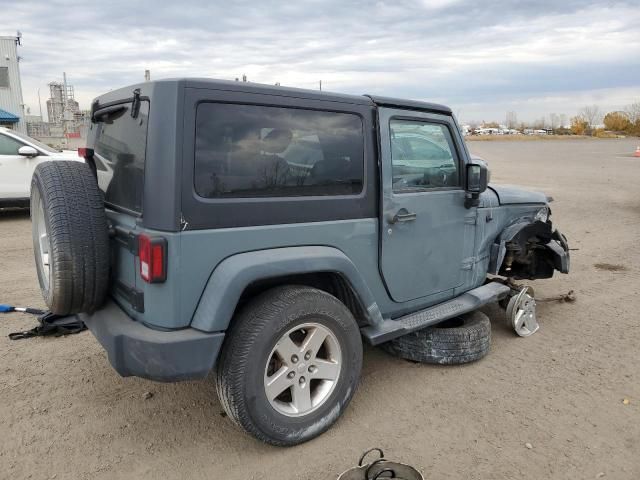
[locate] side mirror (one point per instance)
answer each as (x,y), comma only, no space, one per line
(477,181)
(27,151)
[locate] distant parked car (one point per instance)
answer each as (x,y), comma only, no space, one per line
(19,156)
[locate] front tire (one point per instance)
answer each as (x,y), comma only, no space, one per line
(290,364)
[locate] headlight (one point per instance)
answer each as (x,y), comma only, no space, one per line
(543,214)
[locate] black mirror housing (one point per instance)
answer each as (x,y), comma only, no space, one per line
(477,180)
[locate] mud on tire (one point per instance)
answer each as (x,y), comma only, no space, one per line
(463,339)
(70,237)
(256,331)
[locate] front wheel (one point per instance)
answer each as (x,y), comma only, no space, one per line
(290,365)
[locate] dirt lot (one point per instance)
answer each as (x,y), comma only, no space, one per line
(64,413)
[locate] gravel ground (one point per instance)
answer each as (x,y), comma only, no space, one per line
(549,406)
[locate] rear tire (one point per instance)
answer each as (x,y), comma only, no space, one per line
(70,237)
(259,352)
(463,339)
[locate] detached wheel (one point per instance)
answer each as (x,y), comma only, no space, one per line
(290,364)
(70,238)
(462,339)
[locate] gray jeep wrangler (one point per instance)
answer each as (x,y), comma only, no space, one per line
(264,231)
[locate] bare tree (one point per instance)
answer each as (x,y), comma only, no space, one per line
(563,121)
(554,120)
(592,114)
(511,120)
(633,111)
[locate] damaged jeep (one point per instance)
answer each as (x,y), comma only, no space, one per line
(261,233)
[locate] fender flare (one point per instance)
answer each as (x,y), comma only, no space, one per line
(231,276)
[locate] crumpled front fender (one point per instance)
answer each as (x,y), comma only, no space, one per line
(559,248)
(555,251)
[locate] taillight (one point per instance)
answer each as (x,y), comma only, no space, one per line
(153,258)
(84,152)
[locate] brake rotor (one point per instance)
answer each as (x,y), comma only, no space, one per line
(521,311)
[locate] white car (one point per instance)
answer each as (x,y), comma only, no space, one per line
(19,155)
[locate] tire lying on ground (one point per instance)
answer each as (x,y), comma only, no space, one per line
(462,339)
(70,237)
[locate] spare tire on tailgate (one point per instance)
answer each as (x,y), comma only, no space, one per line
(70,237)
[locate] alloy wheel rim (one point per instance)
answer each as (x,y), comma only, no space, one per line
(523,315)
(44,245)
(302,369)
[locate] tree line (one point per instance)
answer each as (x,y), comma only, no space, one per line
(625,121)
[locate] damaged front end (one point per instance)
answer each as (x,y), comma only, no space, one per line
(530,250)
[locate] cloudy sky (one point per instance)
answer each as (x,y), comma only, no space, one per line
(483,58)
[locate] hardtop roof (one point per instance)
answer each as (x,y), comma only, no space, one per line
(251,87)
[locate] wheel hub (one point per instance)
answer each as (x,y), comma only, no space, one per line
(302,369)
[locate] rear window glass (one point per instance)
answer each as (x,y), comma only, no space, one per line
(258,151)
(120,149)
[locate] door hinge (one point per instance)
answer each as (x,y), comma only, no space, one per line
(127,239)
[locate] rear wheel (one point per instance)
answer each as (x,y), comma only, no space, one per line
(70,239)
(290,365)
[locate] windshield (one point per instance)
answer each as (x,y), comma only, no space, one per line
(38,144)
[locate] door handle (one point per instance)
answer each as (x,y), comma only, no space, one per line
(403,216)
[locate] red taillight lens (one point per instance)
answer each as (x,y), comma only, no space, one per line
(153,259)
(84,152)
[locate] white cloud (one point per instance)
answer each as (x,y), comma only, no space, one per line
(481,57)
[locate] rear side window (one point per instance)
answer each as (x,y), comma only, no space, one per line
(120,148)
(256,151)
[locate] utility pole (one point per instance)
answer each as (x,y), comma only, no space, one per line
(40,105)
(320,85)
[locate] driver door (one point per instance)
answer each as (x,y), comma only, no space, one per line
(15,169)
(427,233)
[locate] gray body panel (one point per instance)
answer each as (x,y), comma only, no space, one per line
(231,277)
(424,257)
(404,276)
(512,194)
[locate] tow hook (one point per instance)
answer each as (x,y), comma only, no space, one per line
(521,312)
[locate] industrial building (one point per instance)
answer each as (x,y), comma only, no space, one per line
(11,103)
(61,105)
(67,124)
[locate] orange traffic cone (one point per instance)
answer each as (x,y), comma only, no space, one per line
(637,154)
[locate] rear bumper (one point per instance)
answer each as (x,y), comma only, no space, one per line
(137,350)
